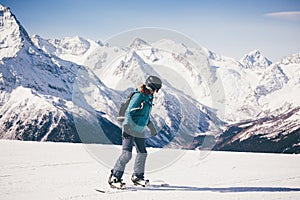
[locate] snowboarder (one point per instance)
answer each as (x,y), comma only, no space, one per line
(137,117)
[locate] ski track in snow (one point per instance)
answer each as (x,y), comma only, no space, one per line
(65,171)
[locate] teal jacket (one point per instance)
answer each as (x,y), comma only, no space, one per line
(137,114)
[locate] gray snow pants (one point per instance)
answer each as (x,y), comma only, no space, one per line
(139,165)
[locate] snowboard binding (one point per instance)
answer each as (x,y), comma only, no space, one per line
(140,181)
(116,183)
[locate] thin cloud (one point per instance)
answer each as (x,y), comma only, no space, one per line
(290,15)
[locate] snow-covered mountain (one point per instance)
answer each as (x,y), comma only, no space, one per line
(255,59)
(52,88)
(244,90)
(44,97)
(75,49)
(37,90)
(252,89)
(280,133)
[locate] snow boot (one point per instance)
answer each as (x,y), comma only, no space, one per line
(116,183)
(140,181)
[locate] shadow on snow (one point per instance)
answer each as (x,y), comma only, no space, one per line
(216,189)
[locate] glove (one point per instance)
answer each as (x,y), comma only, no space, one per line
(126,130)
(152,129)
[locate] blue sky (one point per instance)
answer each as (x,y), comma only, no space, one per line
(227,27)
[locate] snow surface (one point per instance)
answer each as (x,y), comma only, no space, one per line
(34,170)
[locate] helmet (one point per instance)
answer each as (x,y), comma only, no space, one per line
(154,83)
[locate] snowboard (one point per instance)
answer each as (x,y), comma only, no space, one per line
(136,186)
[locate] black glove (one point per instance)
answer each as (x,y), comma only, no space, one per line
(126,130)
(152,129)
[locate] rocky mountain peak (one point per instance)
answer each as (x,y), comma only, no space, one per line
(255,59)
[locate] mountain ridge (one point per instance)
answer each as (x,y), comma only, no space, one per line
(79,81)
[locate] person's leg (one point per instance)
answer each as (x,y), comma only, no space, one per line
(127,144)
(139,165)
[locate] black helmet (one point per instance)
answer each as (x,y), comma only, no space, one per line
(154,83)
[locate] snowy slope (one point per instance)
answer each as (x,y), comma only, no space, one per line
(277,128)
(9,45)
(21,108)
(255,59)
(75,49)
(280,134)
(31,170)
(284,84)
(79,50)
(38,92)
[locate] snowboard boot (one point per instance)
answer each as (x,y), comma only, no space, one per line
(116,183)
(140,181)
